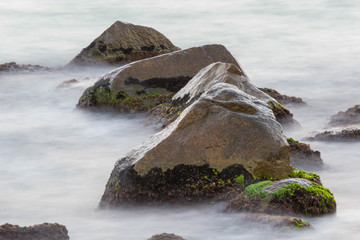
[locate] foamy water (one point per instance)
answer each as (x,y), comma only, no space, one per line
(55,161)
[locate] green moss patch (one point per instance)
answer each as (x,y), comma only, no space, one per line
(297,173)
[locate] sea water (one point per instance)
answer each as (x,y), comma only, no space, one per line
(55,160)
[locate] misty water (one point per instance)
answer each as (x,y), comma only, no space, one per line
(55,160)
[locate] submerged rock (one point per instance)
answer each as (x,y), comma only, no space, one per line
(282,223)
(122,43)
(166,236)
(350,117)
(67,83)
(283,99)
(302,156)
(225,137)
(45,231)
(14,67)
(142,85)
(344,135)
(293,195)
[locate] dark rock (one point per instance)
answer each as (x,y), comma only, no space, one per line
(166,236)
(282,223)
(123,43)
(67,83)
(283,115)
(302,156)
(293,195)
(45,231)
(350,117)
(283,99)
(159,77)
(345,135)
(14,67)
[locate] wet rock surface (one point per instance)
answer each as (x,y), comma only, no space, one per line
(302,156)
(166,236)
(144,84)
(350,117)
(122,43)
(213,74)
(14,67)
(294,196)
(283,99)
(282,223)
(223,135)
(45,231)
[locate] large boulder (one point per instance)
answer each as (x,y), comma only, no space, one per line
(144,84)
(122,43)
(293,195)
(45,231)
(224,137)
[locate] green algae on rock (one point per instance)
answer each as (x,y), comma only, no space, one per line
(294,195)
(161,76)
(278,223)
(122,43)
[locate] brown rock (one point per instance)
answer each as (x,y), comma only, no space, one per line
(166,236)
(302,156)
(225,131)
(122,43)
(45,231)
(14,67)
(350,117)
(274,222)
(344,135)
(67,83)
(283,99)
(145,84)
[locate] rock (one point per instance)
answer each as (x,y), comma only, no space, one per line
(14,67)
(283,99)
(45,231)
(122,43)
(166,236)
(283,115)
(67,83)
(225,137)
(215,73)
(350,117)
(302,156)
(282,223)
(344,135)
(293,195)
(144,84)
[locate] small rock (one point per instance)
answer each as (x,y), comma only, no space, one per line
(287,196)
(345,135)
(45,231)
(283,99)
(350,117)
(166,236)
(302,156)
(282,223)
(14,67)
(67,83)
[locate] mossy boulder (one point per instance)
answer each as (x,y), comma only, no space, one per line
(123,43)
(302,156)
(277,223)
(145,84)
(45,231)
(224,139)
(293,195)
